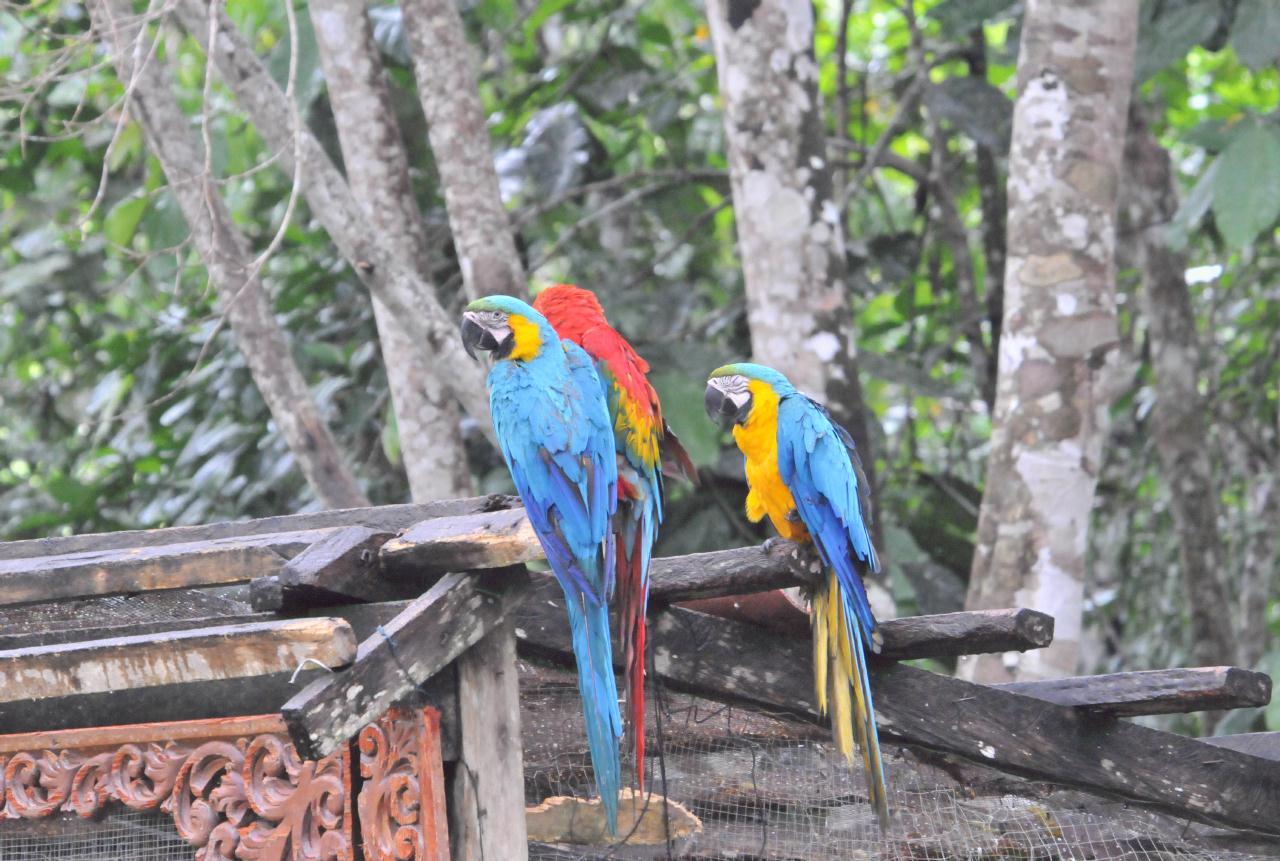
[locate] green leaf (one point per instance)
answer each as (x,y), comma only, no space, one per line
(1255,35)
(1166,38)
(545,10)
(1193,208)
(122,221)
(958,17)
(1246,190)
(391,437)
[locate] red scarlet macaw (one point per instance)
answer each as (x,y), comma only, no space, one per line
(645,445)
(552,423)
(804,473)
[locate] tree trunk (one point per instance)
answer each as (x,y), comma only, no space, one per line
(378,174)
(228,259)
(1059,357)
(1149,201)
(445,71)
(394,282)
(789,227)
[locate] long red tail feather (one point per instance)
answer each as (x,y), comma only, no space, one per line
(631,623)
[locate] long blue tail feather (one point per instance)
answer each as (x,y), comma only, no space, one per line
(589,624)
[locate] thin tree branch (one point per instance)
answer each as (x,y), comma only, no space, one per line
(227,257)
(378,171)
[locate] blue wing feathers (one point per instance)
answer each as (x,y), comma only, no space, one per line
(553,426)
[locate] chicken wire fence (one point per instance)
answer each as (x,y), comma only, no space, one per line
(750,786)
(121,835)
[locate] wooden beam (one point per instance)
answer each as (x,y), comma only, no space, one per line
(339,568)
(383,518)
(116,736)
(775,564)
(541,623)
(1154,692)
(471,542)
(139,569)
(1262,744)
(726,660)
(486,791)
(429,633)
(180,657)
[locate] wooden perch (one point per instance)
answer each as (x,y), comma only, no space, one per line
(1153,692)
(428,634)
(137,569)
(383,518)
(341,567)
(726,660)
(1263,744)
(180,657)
(471,542)
(540,623)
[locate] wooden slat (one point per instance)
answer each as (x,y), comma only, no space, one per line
(428,634)
(181,657)
(1262,744)
(115,736)
(472,542)
(341,567)
(139,569)
(722,659)
(541,620)
(487,815)
(1154,692)
(385,517)
(775,564)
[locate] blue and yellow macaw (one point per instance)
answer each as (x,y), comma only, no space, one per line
(552,421)
(804,473)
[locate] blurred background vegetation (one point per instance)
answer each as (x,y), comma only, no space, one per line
(124,402)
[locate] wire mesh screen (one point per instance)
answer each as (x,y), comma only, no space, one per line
(750,786)
(122,835)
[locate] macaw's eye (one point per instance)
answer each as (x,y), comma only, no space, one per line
(495,318)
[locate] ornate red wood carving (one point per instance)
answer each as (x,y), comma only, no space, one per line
(234,792)
(402,811)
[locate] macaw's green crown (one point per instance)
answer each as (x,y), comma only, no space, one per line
(506,305)
(752,371)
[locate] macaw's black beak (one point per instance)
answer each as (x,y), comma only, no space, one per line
(475,335)
(724,409)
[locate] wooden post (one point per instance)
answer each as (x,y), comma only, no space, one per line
(486,792)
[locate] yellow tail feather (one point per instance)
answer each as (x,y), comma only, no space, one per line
(838,674)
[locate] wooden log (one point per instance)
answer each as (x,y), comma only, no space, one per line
(181,657)
(429,633)
(139,569)
(382,518)
(1153,692)
(540,621)
(725,660)
(486,791)
(339,568)
(775,564)
(1261,744)
(471,542)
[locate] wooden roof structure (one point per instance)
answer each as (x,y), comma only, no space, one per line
(333,617)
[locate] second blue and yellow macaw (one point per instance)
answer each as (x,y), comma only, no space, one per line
(804,473)
(552,421)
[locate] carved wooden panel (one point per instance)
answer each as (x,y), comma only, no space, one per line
(235,788)
(402,801)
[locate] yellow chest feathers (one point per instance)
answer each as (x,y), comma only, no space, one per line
(758,440)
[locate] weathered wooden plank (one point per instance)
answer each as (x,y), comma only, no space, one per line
(341,567)
(384,517)
(140,569)
(203,654)
(722,659)
(1154,692)
(429,633)
(541,621)
(486,792)
(471,542)
(971,632)
(115,736)
(775,564)
(1262,744)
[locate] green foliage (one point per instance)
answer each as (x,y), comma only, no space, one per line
(124,403)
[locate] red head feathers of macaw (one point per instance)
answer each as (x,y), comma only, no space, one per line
(646,449)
